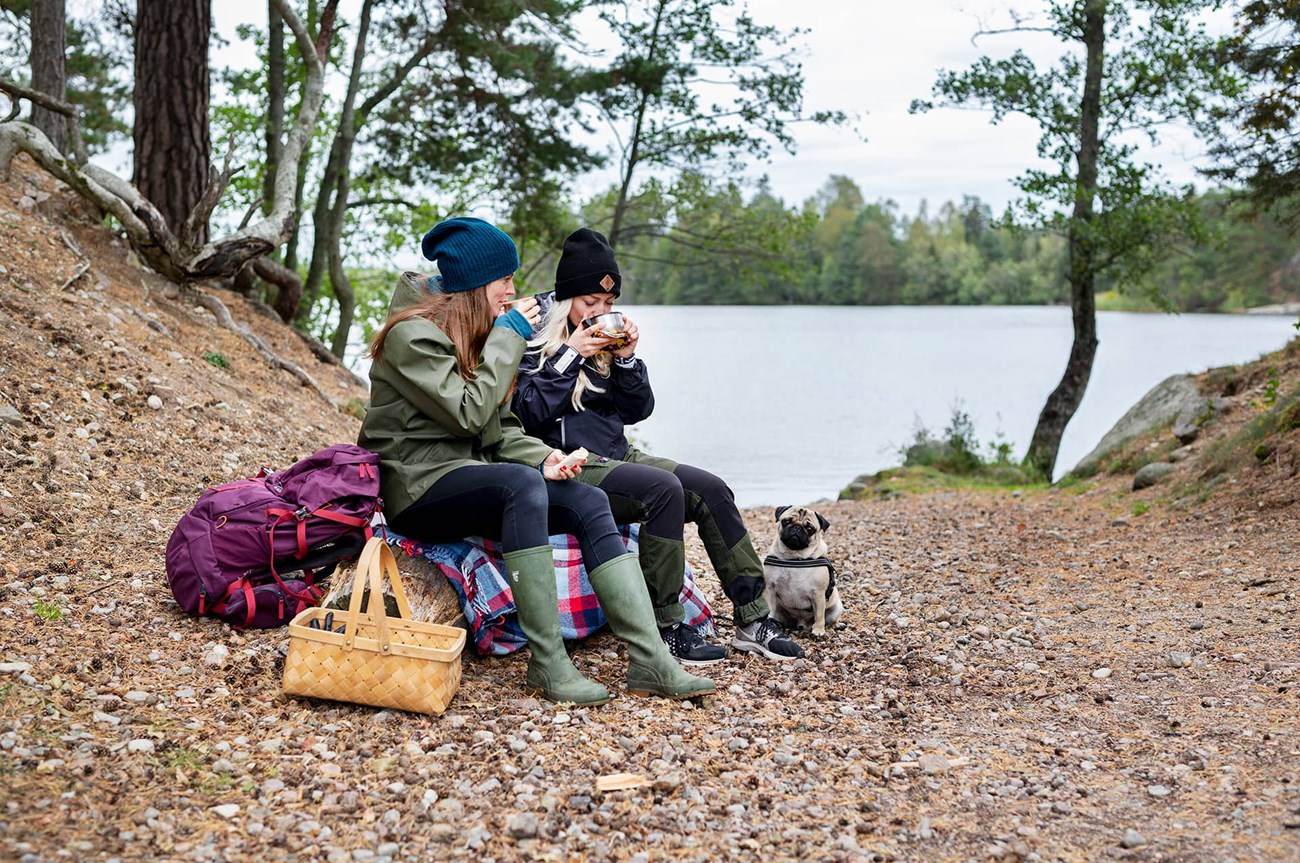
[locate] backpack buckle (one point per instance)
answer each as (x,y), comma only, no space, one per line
(301,513)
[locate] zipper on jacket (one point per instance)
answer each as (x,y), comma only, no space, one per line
(564,443)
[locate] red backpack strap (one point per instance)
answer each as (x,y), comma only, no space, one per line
(250,601)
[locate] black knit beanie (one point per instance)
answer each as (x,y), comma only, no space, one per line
(587,266)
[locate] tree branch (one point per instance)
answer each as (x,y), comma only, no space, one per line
(177,258)
(371,202)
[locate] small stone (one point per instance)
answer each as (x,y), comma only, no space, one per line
(226,810)
(155,403)
(216,654)
(10,416)
(521,825)
(140,744)
(1158,790)
(15,667)
(668,782)
(1151,474)
(1101,673)
(932,765)
(1132,839)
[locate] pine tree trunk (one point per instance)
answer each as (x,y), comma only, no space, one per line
(49,70)
(172,140)
(1064,400)
(275,103)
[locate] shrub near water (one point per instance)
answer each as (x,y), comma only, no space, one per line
(953,459)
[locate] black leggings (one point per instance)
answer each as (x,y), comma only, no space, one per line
(515,503)
(687,493)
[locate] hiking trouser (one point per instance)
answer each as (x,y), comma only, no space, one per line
(514,503)
(662,495)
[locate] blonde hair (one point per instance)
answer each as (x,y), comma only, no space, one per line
(465,316)
(552,336)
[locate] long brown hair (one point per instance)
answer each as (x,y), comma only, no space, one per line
(464,316)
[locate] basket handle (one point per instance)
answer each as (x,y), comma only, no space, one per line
(376,559)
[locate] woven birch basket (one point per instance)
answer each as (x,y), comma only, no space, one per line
(376,660)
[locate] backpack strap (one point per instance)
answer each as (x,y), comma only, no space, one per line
(250,601)
(301,515)
(312,595)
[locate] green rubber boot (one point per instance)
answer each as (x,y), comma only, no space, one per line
(651,669)
(550,671)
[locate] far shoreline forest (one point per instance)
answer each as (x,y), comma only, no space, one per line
(843,250)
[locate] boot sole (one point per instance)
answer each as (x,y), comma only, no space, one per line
(696,662)
(542,693)
(760,650)
(705,698)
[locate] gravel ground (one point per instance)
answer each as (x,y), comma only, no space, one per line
(1071,674)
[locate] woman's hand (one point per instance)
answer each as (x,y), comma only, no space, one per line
(553,469)
(633,335)
(529,309)
(585,341)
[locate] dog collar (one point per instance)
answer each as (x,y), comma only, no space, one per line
(803,563)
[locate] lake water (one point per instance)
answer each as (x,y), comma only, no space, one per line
(789,404)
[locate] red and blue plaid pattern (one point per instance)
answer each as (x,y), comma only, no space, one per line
(475,569)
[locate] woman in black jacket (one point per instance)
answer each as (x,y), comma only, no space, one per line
(579,387)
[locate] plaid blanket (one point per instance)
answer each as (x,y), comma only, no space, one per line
(476,571)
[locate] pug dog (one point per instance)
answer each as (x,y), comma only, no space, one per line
(800,579)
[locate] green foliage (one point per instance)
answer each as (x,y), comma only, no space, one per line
(958,452)
(48,610)
(1141,508)
(216,359)
(713,246)
(1258,145)
(1159,67)
(698,87)
(1270,388)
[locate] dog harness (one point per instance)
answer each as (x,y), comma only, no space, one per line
(803,563)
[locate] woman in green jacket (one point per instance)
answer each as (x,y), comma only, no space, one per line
(455,462)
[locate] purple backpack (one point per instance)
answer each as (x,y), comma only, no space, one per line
(251,552)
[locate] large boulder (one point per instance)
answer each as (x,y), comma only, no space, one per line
(1174,396)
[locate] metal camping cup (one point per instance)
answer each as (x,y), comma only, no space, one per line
(611,324)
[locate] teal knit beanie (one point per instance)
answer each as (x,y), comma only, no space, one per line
(469,253)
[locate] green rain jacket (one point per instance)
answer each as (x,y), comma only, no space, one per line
(425,420)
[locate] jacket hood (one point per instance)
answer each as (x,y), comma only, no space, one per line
(411,289)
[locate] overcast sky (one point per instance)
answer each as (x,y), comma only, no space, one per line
(872,59)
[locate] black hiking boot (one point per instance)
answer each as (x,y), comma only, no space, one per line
(689,647)
(765,638)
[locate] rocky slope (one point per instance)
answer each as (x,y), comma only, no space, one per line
(1071,674)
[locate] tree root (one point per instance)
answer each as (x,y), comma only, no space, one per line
(222,314)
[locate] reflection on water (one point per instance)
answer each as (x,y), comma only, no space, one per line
(789,404)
